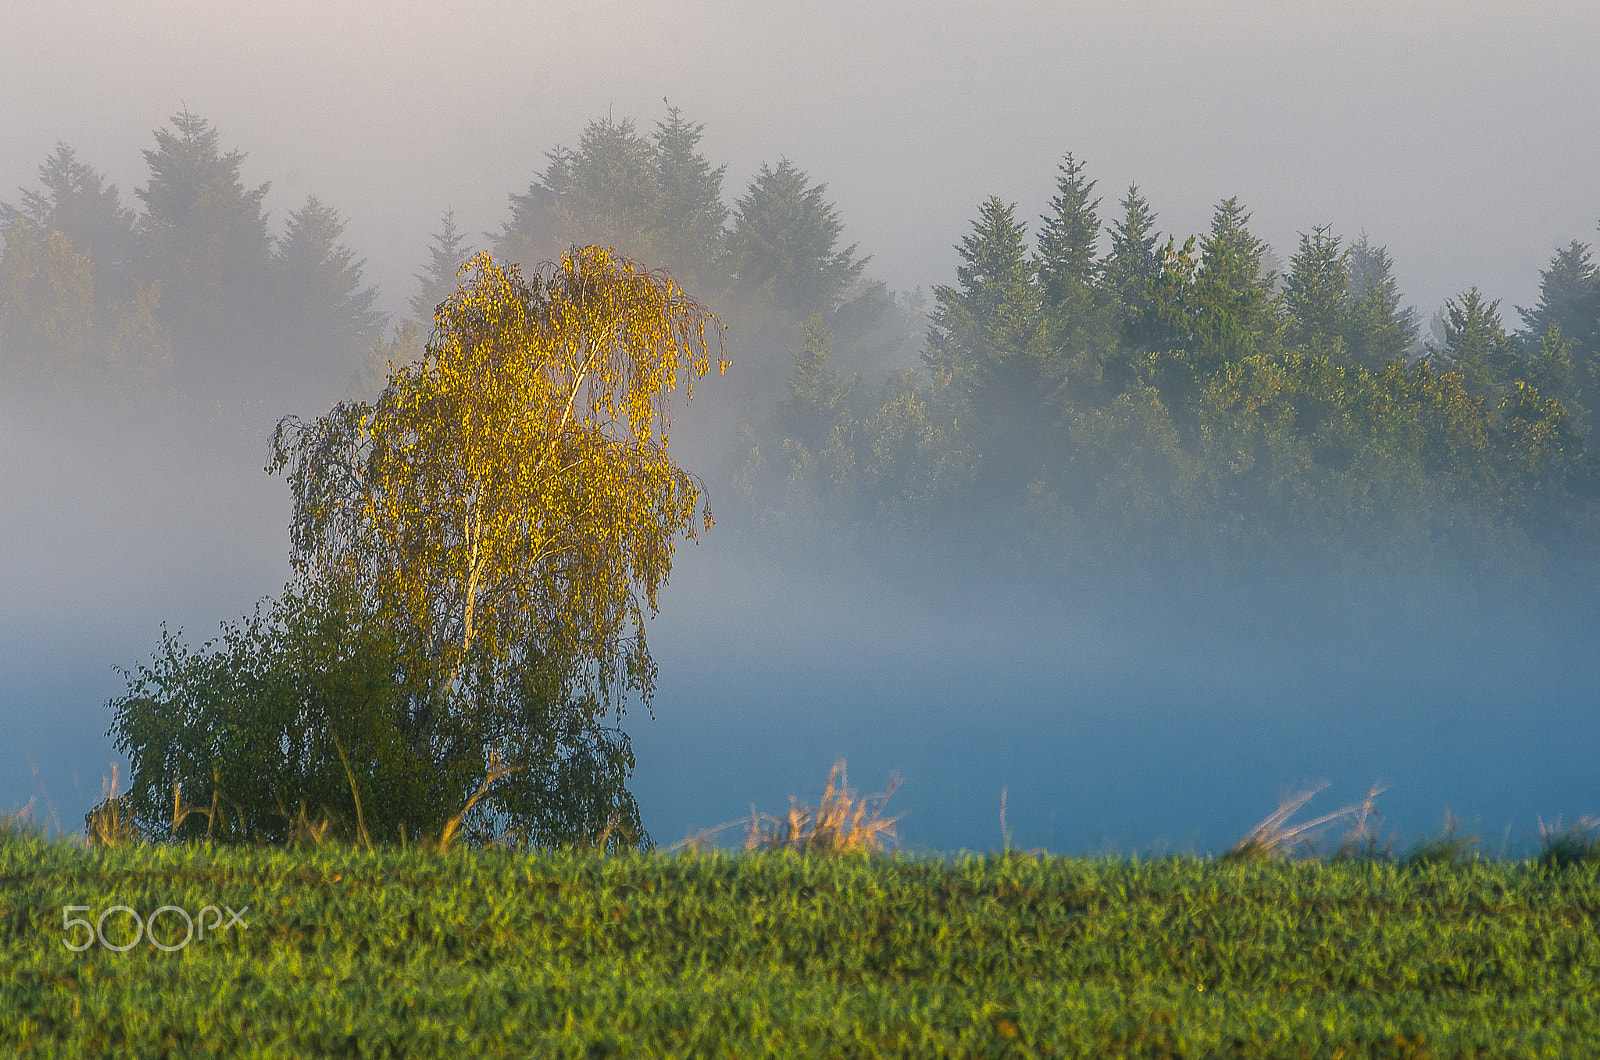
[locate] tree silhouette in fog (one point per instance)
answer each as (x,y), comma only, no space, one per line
(440,276)
(785,243)
(204,236)
(326,314)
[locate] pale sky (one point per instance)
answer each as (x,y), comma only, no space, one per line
(1464,136)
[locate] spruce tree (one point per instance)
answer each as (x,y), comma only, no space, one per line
(1134,261)
(818,392)
(1067,238)
(330,315)
(1569,300)
(77,202)
(1378,331)
(983,329)
(1080,324)
(205,237)
(606,191)
(1569,297)
(783,243)
(1477,346)
(1231,312)
(70,293)
(439,279)
(1316,295)
(693,213)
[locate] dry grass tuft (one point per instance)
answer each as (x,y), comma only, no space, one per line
(1275,837)
(108,825)
(1361,842)
(1449,846)
(697,842)
(304,832)
(21,821)
(841,823)
(1561,845)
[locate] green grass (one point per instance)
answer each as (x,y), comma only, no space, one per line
(487,953)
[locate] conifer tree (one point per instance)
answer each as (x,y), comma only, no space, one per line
(1477,346)
(439,279)
(1067,238)
(784,243)
(817,390)
(329,315)
(605,192)
(652,196)
(1080,326)
(1569,297)
(205,235)
(77,202)
(693,213)
(1316,294)
(1134,261)
(1232,315)
(983,329)
(1378,331)
(70,296)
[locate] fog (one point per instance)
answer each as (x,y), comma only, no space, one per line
(1112,727)
(1460,136)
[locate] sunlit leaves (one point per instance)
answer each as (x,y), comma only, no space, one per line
(514,486)
(508,501)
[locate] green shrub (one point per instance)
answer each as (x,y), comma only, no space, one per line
(314,716)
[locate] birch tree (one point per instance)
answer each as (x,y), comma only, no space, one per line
(508,503)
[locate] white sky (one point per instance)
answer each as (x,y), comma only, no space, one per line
(1464,135)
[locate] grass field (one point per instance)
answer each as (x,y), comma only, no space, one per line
(490,953)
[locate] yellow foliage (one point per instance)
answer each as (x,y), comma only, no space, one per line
(512,490)
(46,296)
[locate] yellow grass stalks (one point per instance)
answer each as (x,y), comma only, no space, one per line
(497,769)
(841,823)
(107,825)
(1275,837)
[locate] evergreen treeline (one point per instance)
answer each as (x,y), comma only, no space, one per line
(191,280)
(1099,394)
(1106,397)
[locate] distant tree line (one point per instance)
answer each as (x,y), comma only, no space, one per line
(1097,392)
(767,261)
(1107,397)
(193,282)
(191,276)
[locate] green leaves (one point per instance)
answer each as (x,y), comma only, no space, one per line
(253,724)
